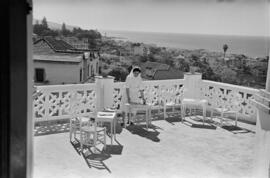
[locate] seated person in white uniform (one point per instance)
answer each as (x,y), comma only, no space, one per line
(134,88)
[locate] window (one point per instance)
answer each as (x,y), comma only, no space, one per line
(92,70)
(39,75)
(80,75)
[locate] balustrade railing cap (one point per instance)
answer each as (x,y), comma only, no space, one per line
(109,77)
(98,77)
(195,73)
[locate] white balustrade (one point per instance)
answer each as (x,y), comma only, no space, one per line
(224,95)
(118,98)
(154,91)
(163,91)
(54,101)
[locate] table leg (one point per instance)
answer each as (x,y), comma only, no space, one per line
(183,111)
(114,125)
(204,113)
(147,118)
(111,132)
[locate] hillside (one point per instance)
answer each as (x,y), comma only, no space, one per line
(55,26)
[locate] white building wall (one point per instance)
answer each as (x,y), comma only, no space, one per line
(60,72)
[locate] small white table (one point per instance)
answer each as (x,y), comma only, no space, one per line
(108,117)
(188,101)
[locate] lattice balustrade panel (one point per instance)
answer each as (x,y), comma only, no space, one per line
(54,101)
(118,95)
(169,91)
(154,91)
(229,96)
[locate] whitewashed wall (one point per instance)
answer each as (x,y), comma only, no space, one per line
(59,73)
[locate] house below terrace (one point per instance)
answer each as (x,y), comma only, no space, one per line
(58,62)
(159,71)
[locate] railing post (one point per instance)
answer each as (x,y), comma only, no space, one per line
(108,91)
(192,84)
(99,93)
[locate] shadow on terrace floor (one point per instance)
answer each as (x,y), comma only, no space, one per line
(197,122)
(140,129)
(236,129)
(53,127)
(94,159)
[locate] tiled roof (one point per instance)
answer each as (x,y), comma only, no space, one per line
(168,74)
(155,66)
(58,45)
(149,68)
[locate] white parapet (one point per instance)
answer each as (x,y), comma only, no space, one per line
(192,84)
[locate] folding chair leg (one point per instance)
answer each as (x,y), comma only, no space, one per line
(236,119)
(183,112)
(70,131)
(204,114)
(212,112)
(165,114)
(81,144)
(105,139)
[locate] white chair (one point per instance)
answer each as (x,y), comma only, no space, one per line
(133,108)
(188,102)
(91,134)
(170,98)
(74,122)
(74,126)
(229,109)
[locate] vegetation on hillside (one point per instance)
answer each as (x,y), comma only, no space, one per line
(236,69)
(42,29)
(117,56)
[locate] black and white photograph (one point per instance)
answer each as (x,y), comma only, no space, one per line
(135,89)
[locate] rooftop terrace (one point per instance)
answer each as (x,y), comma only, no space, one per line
(169,148)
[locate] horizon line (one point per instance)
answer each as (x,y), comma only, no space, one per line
(141,31)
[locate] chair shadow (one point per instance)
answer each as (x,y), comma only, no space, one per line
(118,127)
(95,160)
(236,130)
(113,149)
(173,119)
(139,130)
(76,145)
(199,123)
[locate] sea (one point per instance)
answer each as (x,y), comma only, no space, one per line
(252,46)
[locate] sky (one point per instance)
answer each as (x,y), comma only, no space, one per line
(221,17)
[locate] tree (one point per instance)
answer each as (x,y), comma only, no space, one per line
(44,23)
(225,48)
(151,58)
(119,74)
(228,76)
(64,30)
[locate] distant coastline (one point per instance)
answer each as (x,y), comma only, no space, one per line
(252,46)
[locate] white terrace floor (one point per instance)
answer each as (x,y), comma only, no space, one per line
(169,149)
